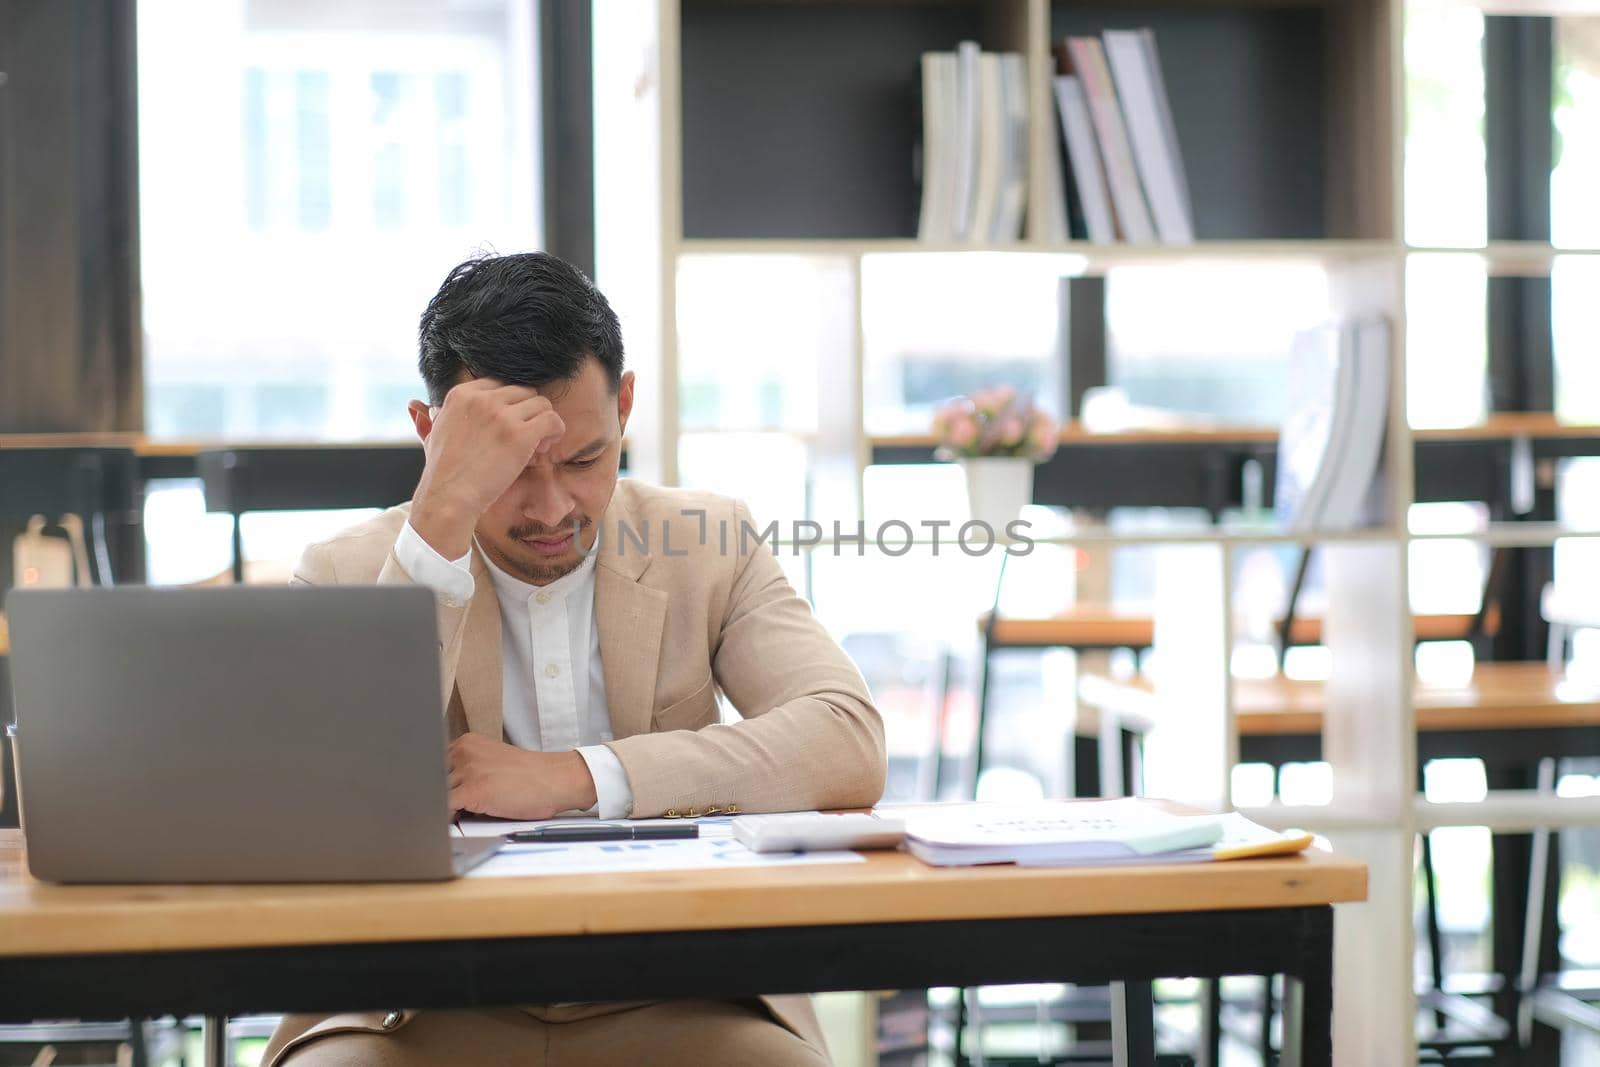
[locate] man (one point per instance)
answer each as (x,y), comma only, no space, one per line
(586,625)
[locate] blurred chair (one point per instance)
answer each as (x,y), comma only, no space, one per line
(242,480)
(1551,999)
(1566,613)
(91,483)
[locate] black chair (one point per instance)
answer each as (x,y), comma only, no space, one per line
(92,483)
(241,480)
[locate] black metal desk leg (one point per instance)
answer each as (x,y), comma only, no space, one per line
(238,548)
(214,1041)
(1210,1051)
(1133,1024)
(1308,1000)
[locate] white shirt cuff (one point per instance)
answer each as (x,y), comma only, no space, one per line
(613,794)
(451,579)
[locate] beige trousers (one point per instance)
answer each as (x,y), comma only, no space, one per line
(682,1033)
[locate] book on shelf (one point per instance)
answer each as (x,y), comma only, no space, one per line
(1057,209)
(991,123)
(1334,428)
(1121,142)
(974,157)
(1111,131)
(1136,70)
(1123,171)
(1048,833)
(969,114)
(1013,195)
(938,156)
(1083,155)
(1356,477)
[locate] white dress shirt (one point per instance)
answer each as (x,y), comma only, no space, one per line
(553,691)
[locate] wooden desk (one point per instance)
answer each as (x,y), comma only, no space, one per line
(1081,626)
(1498,697)
(1511,716)
(1096,626)
(890,922)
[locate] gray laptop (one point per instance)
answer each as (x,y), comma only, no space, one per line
(247,734)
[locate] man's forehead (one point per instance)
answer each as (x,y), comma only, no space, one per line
(587,392)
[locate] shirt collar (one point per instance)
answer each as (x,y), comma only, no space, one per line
(518,591)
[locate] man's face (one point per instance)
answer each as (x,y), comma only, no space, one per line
(529,530)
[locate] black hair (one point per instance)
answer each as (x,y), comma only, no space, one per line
(525,319)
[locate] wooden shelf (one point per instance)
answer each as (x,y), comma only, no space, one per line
(1510,811)
(1499,426)
(1096,258)
(1539,7)
(1074,433)
(1512,259)
(1498,696)
(1512,534)
(1097,626)
(1503,811)
(1505,425)
(158,447)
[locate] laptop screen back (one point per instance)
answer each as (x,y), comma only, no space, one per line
(237,734)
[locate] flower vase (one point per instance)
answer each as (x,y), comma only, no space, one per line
(997,488)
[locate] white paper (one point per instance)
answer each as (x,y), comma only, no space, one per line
(1237,832)
(607,857)
(1051,832)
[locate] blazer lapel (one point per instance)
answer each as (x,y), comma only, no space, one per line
(630,618)
(478,671)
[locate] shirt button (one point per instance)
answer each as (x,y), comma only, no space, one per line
(551,670)
(543,598)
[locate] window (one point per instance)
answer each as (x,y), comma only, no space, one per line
(1447,340)
(939,326)
(308,175)
(1218,350)
(1574,213)
(1446,181)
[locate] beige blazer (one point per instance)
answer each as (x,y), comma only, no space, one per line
(688,602)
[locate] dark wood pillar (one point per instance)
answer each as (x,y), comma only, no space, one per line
(69,248)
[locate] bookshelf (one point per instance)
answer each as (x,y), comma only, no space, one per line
(786,130)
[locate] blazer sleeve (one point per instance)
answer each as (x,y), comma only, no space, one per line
(810,737)
(318,566)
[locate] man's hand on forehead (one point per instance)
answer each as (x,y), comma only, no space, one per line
(481,439)
(525,404)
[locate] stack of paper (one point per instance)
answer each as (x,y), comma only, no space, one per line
(1066,833)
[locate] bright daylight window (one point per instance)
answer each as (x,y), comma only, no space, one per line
(308,174)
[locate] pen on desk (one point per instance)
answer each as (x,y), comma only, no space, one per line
(604,832)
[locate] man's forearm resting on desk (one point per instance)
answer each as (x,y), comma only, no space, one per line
(490,777)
